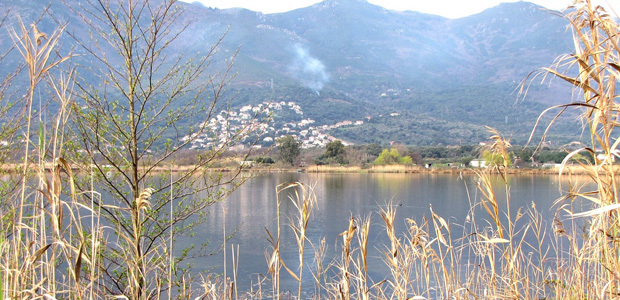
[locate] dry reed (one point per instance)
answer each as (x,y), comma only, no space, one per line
(49,253)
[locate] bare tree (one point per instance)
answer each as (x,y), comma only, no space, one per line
(136,111)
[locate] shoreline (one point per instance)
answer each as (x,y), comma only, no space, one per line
(576,170)
(404,169)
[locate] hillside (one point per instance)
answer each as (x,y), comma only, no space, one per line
(440,79)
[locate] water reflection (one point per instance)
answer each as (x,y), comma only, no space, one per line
(252,209)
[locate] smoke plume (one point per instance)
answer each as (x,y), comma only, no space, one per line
(308,70)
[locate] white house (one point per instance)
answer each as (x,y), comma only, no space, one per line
(478,163)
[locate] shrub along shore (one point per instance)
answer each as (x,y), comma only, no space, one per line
(576,170)
(409,169)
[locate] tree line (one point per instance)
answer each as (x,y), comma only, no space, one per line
(289,152)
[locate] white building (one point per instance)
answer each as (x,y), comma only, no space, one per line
(478,163)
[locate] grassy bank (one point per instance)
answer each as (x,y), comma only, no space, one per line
(565,170)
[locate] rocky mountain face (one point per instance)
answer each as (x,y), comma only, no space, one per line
(415,78)
(354,39)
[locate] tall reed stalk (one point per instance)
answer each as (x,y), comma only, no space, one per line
(46,229)
(49,252)
(593,70)
(303,199)
(515,256)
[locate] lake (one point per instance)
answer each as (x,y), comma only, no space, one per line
(252,208)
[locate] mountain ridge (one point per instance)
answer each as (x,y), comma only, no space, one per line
(377,61)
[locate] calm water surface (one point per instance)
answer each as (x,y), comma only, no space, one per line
(252,209)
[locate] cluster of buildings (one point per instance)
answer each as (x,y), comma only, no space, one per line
(262,125)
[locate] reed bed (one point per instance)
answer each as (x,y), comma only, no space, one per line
(395,169)
(358,169)
(52,236)
(426,261)
(517,254)
(334,169)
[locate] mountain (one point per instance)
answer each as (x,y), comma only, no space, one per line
(439,80)
(354,38)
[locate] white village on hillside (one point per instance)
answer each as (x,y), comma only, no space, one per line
(265,121)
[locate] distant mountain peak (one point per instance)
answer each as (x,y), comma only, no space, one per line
(515,8)
(343,3)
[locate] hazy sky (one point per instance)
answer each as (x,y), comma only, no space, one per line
(446,8)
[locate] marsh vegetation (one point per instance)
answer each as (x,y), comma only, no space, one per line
(60,238)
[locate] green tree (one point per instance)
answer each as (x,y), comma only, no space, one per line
(406,160)
(392,157)
(334,149)
(373,149)
(546,156)
(264,160)
(334,153)
(289,149)
(524,153)
(495,159)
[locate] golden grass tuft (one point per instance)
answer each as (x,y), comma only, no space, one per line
(394,169)
(515,256)
(511,256)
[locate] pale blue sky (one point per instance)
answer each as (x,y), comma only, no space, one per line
(446,8)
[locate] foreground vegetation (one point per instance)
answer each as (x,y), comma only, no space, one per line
(577,259)
(64,238)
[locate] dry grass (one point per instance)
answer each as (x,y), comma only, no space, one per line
(516,256)
(372,169)
(52,236)
(395,169)
(592,258)
(333,169)
(46,250)
(427,261)
(46,229)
